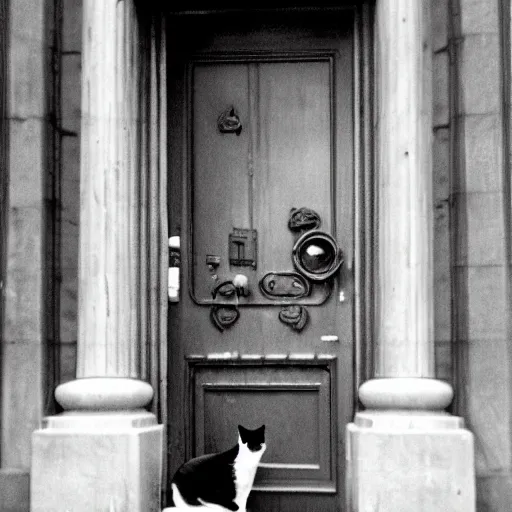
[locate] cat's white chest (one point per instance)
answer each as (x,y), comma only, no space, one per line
(245,466)
(244,475)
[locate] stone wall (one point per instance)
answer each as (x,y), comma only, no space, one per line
(481,238)
(25,372)
(70,94)
(472,202)
(442,133)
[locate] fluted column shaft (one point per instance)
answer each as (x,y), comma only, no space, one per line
(404,341)
(109,222)
(404,344)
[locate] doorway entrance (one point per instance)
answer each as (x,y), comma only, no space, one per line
(261,194)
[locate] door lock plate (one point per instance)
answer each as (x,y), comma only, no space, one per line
(243,247)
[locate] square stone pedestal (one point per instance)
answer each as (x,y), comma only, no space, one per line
(409,461)
(97,461)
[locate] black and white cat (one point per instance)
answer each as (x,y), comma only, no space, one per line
(221,480)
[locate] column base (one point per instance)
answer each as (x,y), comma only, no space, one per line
(398,461)
(104,461)
(104,394)
(406,393)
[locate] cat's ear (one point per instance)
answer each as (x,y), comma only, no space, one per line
(243,433)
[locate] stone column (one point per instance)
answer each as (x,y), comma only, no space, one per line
(404,345)
(404,452)
(105,451)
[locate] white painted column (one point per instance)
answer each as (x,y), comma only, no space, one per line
(108,338)
(105,452)
(404,452)
(404,344)
(107,343)
(405,323)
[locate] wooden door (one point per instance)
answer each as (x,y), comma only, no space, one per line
(262,123)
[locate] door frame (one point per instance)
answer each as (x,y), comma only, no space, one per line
(365,203)
(362,266)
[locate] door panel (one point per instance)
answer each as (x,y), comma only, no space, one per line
(282,159)
(241,391)
(288,79)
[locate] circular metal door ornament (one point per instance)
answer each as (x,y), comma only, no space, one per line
(316,255)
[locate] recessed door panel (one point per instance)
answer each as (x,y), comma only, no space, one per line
(261,109)
(228,391)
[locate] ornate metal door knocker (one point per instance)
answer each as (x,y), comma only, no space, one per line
(238,286)
(225,289)
(303,219)
(223,317)
(294,316)
(229,121)
(284,285)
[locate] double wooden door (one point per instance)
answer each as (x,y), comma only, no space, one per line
(261,154)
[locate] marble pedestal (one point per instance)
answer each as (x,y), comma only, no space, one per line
(409,461)
(97,461)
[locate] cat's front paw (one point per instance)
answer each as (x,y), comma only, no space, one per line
(233,506)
